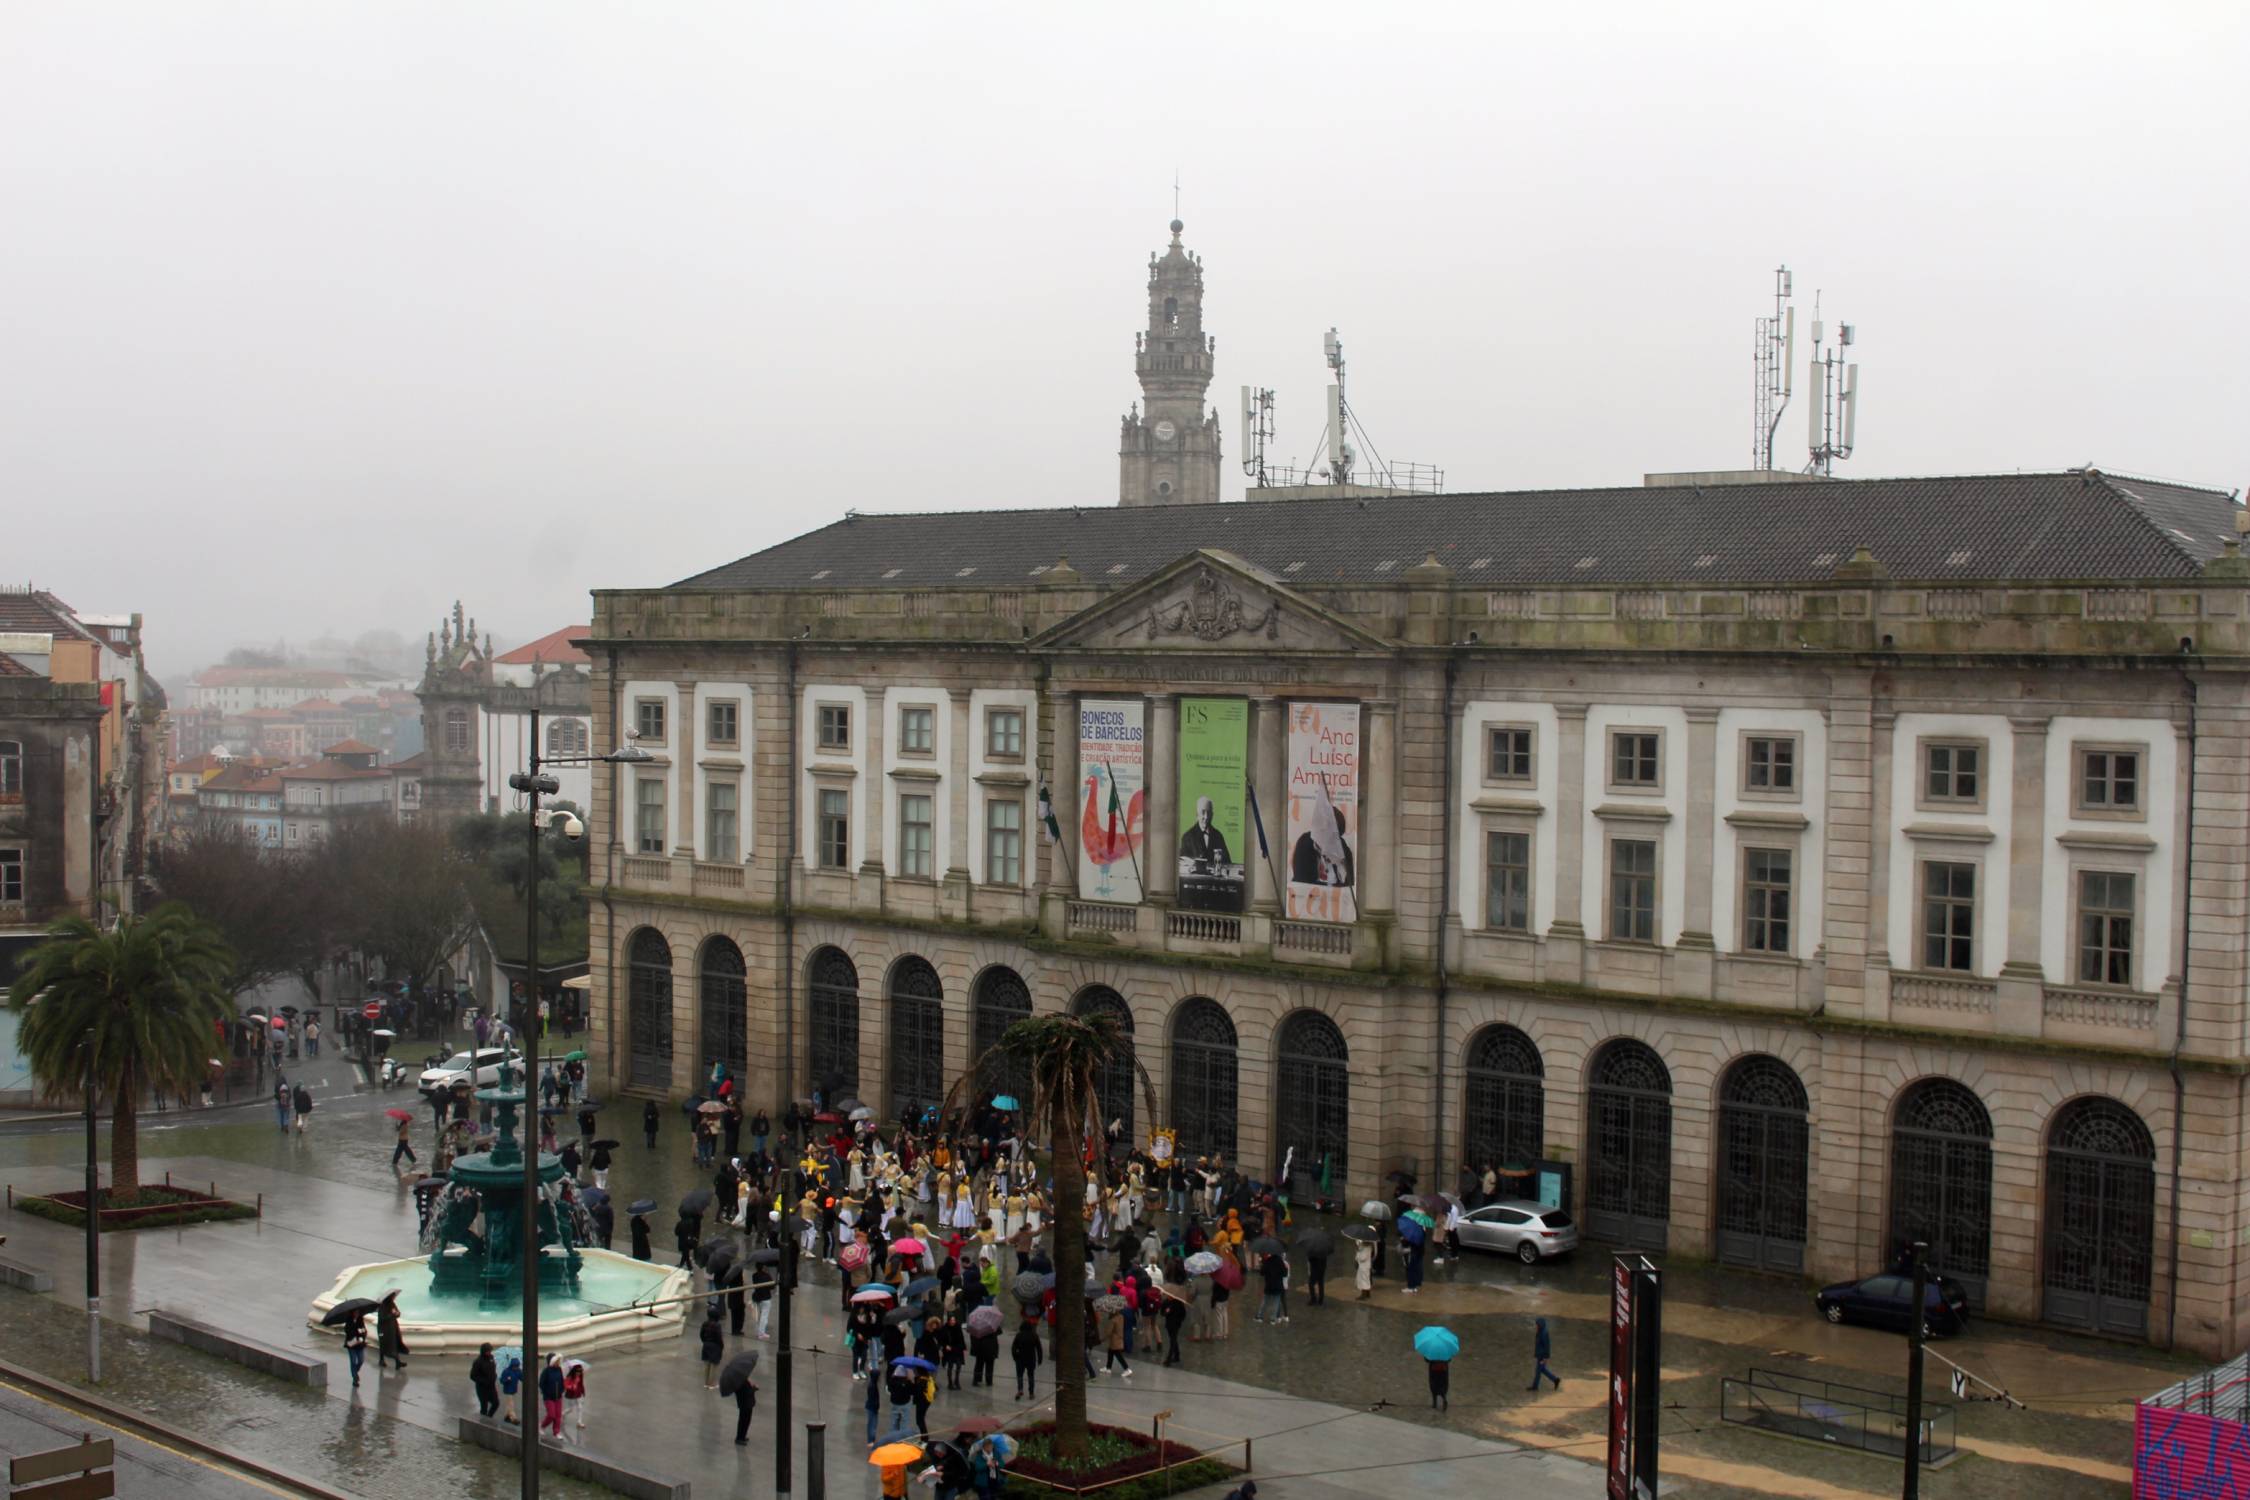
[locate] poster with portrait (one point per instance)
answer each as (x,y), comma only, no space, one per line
(1323,788)
(1111,800)
(1214,766)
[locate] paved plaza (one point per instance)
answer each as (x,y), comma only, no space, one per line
(1334,1401)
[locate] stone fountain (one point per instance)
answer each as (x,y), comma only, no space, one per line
(468,1288)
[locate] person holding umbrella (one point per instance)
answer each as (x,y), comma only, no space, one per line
(735,1381)
(1363,1264)
(639,1226)
(714,1336)
(355,1343)
(891,1459)
(1439,1346)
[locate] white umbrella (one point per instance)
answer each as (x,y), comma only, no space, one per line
(863,1113)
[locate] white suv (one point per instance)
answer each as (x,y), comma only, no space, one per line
(481,1069)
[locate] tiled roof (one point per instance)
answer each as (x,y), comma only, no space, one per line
(350,747)
(319,706)
(10,667)
(553,648)
(418,761)
(327,770)
(1998,527)
(36,612)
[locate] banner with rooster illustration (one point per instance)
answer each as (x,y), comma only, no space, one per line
(1323,780)
(1112,798)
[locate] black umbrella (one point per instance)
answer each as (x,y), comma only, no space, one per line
(1315,1242)
(591,1105)
(764,1256)
(1028,1285)
(696,1201)
(607,1145)
(1265,1244)
(595,1196)
(737,1372)
(641,1206)
(910,1314)
(346,1310)
(1365,1234)
(717,1256)
(289,1010)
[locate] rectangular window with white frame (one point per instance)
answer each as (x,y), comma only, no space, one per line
(834,837)
(1953,774)
(2105,927)
(2109,780)
(1769,765)
(1003,841)
(723,723)
(1003,734)
(1766,900)
(917,730)
(1507,881)
(916,835)
(648,814)
(1636,760)
(722,830)
(1632,890)
(1508,753)
(833,726)
(1949,916)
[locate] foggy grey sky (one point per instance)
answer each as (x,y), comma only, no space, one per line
(314,317)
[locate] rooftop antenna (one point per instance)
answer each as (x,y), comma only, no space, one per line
(1774,357)
(1257,432)
(1831,420)
(1340,453)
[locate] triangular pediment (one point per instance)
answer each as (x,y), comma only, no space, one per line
(1210,601)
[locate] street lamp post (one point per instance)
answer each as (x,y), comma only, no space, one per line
(93,1229)
(534,783)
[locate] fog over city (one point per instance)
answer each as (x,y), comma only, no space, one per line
(315,318)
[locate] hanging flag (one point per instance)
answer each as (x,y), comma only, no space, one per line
(1960,1383)
(1257,822)
(1047,823)
(1116,808)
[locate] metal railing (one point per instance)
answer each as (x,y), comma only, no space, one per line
(1203,927)
(1825,1412)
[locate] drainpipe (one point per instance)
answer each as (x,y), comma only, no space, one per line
(2179,1035)
(1445,899)
(788,958)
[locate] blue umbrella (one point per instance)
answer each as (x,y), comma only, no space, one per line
(595,1197)
(921,1286)
(909,1362)
(1434,1343)
(642,1206)
(1411,1232)
(1004,1101)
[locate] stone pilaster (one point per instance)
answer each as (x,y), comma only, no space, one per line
(1160,861)
(1566,934)
(1874,996)
(1377,869)
(1695,954)
(1844,923)
(874,802)
(965,810)
(2019,999)
(685,842)
(1269,746)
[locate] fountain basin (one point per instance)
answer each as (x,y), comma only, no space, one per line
(601,1311)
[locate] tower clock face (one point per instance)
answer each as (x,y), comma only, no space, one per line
(1165,431)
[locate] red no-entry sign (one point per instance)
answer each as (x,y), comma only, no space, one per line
(372,1011)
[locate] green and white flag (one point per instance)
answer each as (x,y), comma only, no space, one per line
(1047,821)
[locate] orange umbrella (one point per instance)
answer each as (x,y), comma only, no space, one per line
(891,1455)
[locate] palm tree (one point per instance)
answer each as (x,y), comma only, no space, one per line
(147,993)
(1064,1057)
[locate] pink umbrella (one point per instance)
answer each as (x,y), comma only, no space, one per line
(1229,1275)
(907,1246)
(852,1257)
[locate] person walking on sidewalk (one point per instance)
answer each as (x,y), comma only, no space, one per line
(745,1406)
(1113,1341)
(390,1335)
(714,1335)
(281,1102)
(511,1381)
(551,1399)
(1275,1272)
(312,1037)
(1542,1350)
(484,1375)
(1028,1353)
(300,1104)
(355,1343)
(649,1117)
(1441,1384)
(405,1146)
(574,1393)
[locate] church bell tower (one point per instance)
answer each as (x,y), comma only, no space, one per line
(1168,452)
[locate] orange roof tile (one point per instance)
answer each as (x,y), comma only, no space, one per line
(552,649)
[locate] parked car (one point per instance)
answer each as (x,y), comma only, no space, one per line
(1882,1301)
(1529,1231)
(481,1068)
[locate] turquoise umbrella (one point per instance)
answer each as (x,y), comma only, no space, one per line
(1437,1344)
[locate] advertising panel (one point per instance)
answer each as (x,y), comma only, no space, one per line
(1323,829)
(1112,798)
(1214,771)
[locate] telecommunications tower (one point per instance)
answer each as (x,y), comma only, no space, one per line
(1774,359)
(1832,410)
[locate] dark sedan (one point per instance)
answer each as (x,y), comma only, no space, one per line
(1882,1301)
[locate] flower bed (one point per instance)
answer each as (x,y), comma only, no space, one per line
(1123,1465)
(160,1207)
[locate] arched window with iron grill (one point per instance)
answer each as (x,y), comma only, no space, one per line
(1118,1082)
(832,995)
(648,1010)
(1764,1165)
(2100,1218)
(1204,1077)
(1312,1100)
(1002,999)
(723,1010)
(917,1044)
(1629,1146)
(1505,1098)
(1941,1181)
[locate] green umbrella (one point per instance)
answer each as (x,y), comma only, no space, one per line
(576,1056)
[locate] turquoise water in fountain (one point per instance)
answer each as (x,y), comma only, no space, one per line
(606,1282)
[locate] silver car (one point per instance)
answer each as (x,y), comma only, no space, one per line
(481,1069)
(1529,1231)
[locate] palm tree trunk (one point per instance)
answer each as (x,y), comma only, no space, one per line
(1072,1441)
(124,1143)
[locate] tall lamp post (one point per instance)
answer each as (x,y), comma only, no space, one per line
(535,783)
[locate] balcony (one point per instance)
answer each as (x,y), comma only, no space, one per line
(1099,918)
(645,870)
(2106,1013)
(723,878)
(1963,998)
(1204,927)
(1313,942)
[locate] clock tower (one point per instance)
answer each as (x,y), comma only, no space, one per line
(1168,452)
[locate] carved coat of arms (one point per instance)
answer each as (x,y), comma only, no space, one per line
(1212,611)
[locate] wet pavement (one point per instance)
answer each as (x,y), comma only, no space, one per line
(1334,1401)
(142,1471)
